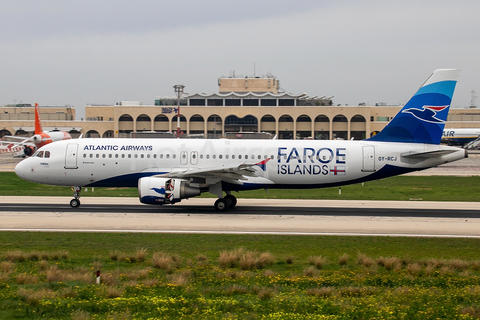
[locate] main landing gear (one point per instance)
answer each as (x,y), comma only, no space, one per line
(75,202)
(223,204)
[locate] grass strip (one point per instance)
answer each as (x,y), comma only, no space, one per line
(164,276)
(402,188)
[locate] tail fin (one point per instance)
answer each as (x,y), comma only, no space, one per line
(423,118)
(38,126)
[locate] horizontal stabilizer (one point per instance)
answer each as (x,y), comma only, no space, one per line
(426,154)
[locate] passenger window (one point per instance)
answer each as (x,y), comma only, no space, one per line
(239,156)
(155,156)
(226,156)
(174,156)
(91,155)
(253,157)
(161,156)
(84,155)
(167,156)
(135,155)
(214,156)
(220,157)
(129,155)
(141,156)
(123,155)
(148,156)
(109,155)
(201,156)
(233,156)
(98,155)
(208,156)
(103,155)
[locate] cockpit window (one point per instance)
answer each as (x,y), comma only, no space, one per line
(46,154)
(40,154)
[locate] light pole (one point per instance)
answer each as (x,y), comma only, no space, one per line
(178,91)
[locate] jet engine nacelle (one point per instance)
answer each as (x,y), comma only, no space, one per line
(153,190)
(28,150)
(37,139)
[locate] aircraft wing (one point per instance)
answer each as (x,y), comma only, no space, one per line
(232,174)
(17,140)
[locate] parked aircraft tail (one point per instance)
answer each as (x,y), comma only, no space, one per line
(38,125)
(423,118)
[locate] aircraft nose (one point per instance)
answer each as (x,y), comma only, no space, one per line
(22,168)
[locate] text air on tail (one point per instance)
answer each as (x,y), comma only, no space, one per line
(423,118)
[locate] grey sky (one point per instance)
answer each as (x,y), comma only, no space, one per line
(79,52)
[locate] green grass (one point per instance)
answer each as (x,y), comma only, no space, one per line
(433,278)
(406,188)
(437,278)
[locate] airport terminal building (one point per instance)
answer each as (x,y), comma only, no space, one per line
(244,107)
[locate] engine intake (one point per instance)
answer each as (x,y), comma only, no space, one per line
(153,190)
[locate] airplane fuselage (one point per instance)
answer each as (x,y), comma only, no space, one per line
(292,164)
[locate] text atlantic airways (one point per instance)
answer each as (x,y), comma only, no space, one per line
(166,171)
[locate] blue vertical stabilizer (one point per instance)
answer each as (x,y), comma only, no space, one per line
(423,118)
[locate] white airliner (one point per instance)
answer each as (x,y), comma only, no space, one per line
(460,136)
(169,170)
(38,140)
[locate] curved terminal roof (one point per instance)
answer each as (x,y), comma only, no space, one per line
(246,95)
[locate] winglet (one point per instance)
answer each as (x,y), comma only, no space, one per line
(38,126)
(263,164)
(423,118)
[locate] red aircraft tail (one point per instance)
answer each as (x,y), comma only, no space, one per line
(38,126)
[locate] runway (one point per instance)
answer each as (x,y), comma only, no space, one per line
(305,217)
(310,217)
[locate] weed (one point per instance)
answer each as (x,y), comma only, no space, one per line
(80,315)
(33,297)
(24,278)
(16,256)
(343,259)
(180,279)
(265,293)
(414,268)
(230,259)
(7,266)
(321,292)
(317,261)
(310,272)
(392,263)
(163,261)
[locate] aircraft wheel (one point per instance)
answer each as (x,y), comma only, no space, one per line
(75,203)
(221,205)
(231,200)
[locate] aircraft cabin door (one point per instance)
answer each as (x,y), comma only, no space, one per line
(368,163)
(71,156)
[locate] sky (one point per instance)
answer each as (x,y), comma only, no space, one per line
(105,51)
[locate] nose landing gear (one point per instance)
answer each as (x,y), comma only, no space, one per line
(75,202)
